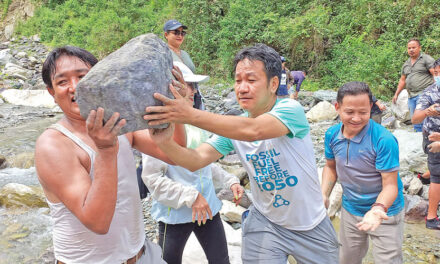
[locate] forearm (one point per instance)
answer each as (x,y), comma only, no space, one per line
(168,192)
(188,158)
(418,116)
(233,127)
(329,178)
(387,195)
(100,202)
(400,87)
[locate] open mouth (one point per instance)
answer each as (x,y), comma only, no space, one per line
(73,99)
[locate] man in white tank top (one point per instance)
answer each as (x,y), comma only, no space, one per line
(88,174)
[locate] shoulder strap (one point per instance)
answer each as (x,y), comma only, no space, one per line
(78,141)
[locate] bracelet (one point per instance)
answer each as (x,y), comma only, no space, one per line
(385,209)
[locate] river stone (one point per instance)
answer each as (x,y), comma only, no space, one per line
(125,81)
(325,95)
(322,111)
(19,195)
(415,208)
(231,211)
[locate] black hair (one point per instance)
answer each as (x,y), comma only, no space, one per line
(353,88)
(261,52)
(436,63)
(50,64)
(414,39)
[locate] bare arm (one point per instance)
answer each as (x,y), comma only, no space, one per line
(420,115)
(373,218)
(235,127)
(142,141)
(329,178)
(400,87)
(64,173)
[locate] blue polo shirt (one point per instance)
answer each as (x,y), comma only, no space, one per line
(359,164)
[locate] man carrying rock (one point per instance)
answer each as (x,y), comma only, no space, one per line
(364,157)
(428,112)
(88,174)
(273,141)
(416,75)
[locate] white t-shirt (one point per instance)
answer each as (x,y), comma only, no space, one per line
(282,171)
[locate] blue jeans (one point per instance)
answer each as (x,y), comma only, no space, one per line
(412,102)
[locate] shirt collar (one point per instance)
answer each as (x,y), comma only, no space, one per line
(358,138)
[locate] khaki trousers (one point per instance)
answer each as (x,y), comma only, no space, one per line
(387,240)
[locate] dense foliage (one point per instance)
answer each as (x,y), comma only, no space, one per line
(335,41)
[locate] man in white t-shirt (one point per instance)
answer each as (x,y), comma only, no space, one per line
(273,142)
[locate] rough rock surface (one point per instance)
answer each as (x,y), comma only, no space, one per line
(125,81)
(322,111)
(19,195)
(233,213)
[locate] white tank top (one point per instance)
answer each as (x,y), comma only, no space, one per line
(74,243)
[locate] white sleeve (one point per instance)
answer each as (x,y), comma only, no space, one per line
(221,175)
(164,189)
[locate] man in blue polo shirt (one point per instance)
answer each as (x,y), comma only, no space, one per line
(364,157)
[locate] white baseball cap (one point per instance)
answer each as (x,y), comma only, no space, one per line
(188,75)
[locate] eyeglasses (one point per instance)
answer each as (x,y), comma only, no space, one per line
(178,32)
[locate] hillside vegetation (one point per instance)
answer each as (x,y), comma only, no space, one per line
(335,41)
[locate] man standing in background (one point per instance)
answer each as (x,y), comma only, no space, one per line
(283,89)
(417,74)
(427,112)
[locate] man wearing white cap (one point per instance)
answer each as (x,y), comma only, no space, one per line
(181,196)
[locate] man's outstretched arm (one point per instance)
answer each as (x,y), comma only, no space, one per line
(235,127)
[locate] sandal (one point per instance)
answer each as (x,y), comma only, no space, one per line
(423,180)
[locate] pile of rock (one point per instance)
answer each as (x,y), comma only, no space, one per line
(20,63)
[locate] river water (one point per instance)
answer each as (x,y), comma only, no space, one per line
(26,233)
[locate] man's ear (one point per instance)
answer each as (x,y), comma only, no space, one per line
(165,35)
(337,106)
(274,83)
(50,90)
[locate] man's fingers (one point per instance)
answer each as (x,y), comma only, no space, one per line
(91,120)
(177,74)
(99,117)
(115,130)
(175,92)
(161,98)
(177,85)
(111,121)
(193,215)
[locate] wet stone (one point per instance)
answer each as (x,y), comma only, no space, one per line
(125,81)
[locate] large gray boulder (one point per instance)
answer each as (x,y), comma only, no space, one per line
(125,81)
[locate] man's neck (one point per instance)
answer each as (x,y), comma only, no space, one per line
(415,57)
(264,109)
(350,134)
(74,125)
